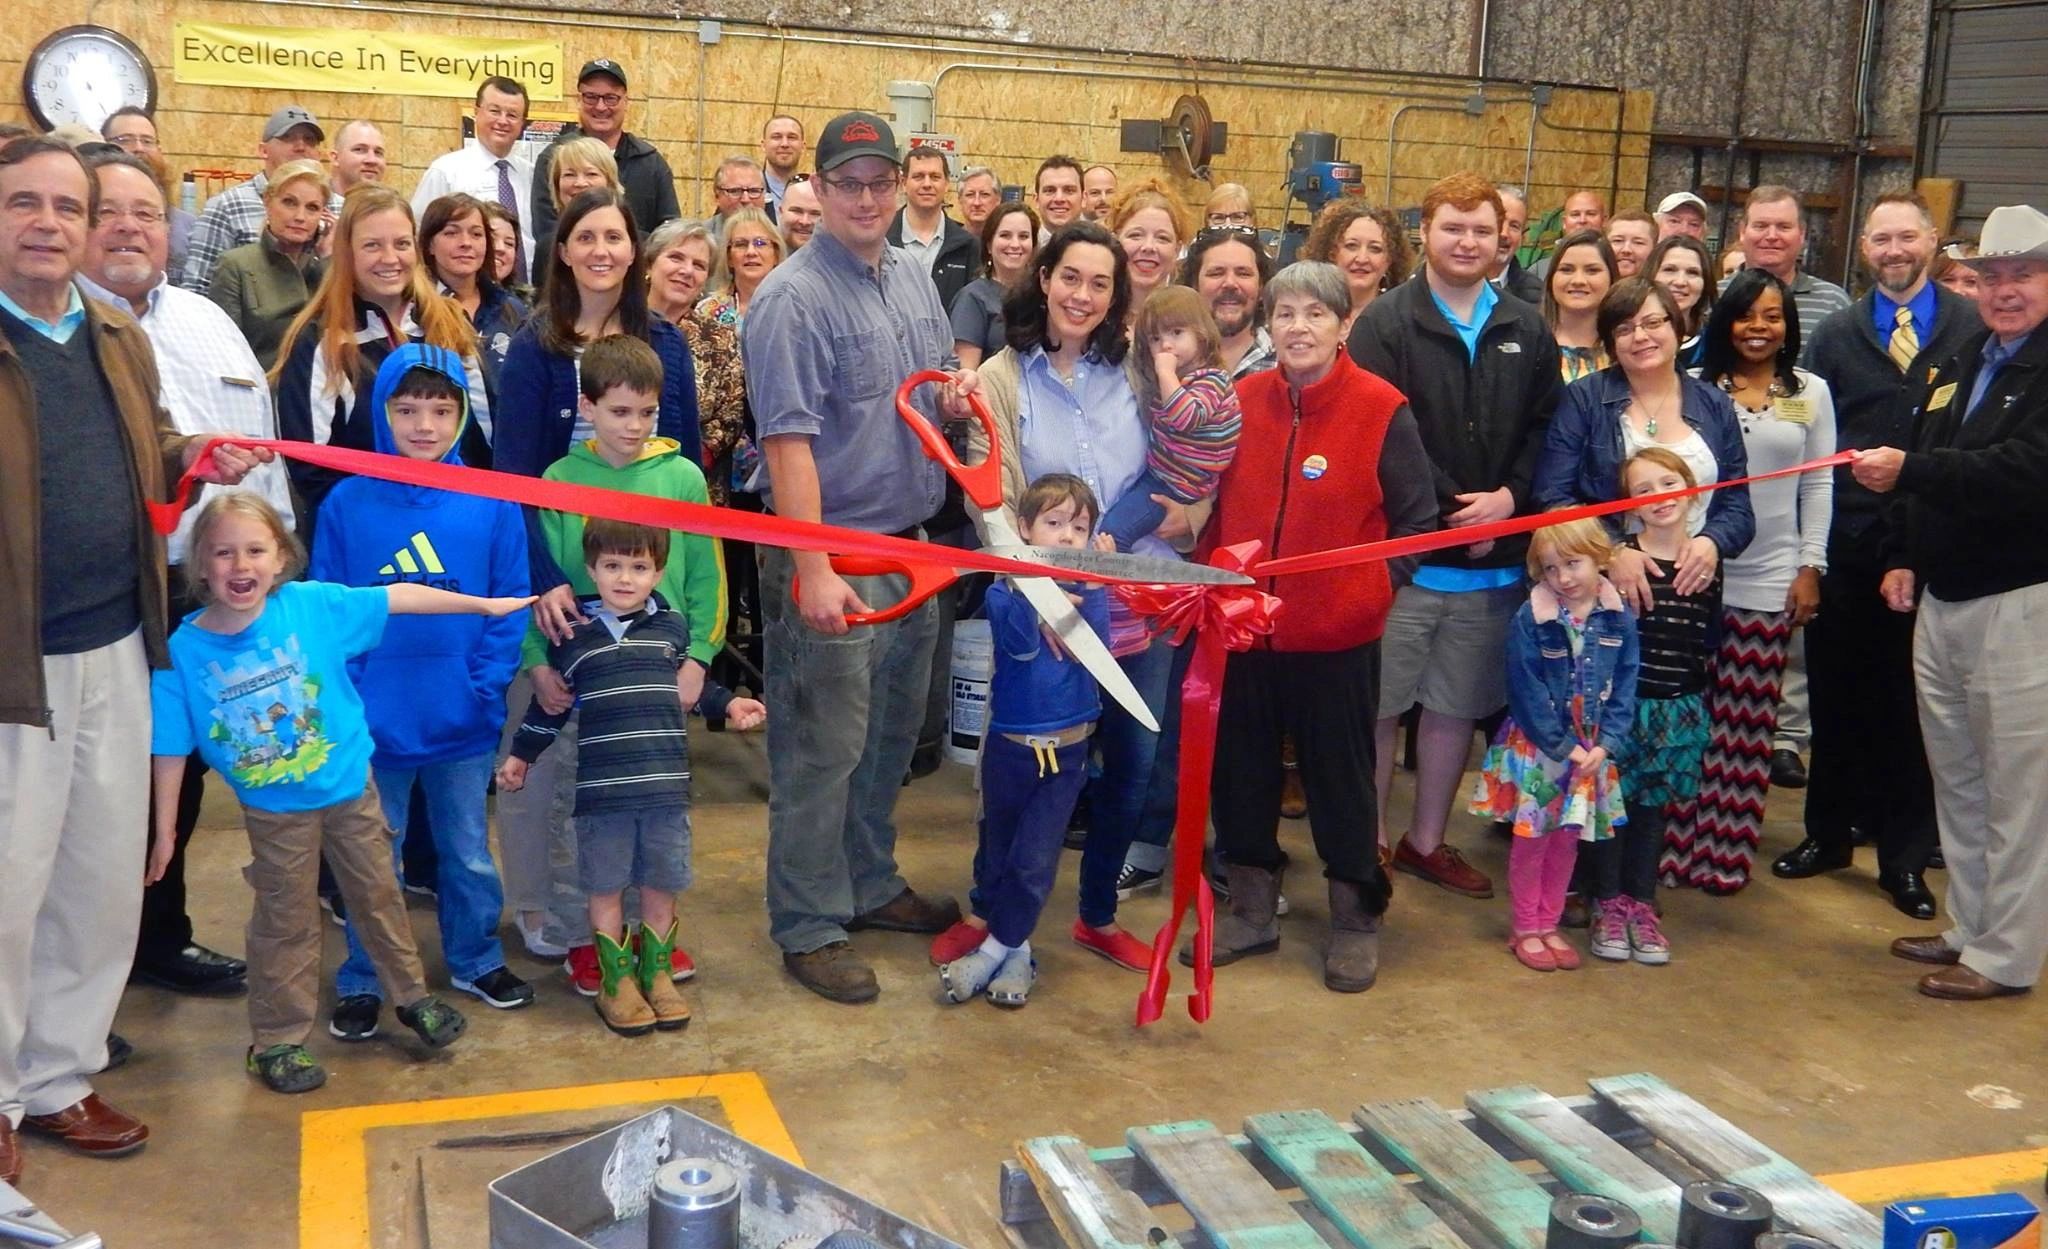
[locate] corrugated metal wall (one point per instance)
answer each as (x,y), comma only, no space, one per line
(1985,118)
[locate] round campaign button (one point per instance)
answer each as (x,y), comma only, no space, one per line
(1314,466)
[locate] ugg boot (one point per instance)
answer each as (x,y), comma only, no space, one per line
(1251,926)
(619,1000)
(1351,960)
(671,1013)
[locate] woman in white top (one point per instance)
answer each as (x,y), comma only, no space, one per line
(1773,587)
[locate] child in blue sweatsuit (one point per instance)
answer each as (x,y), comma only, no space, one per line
(1042,709)
(434,689)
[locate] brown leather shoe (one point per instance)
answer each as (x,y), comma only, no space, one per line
(90,1126)
(1960,984)
(10,1153)
(834,972)
(1444,866)
(1926,950)
(908,912)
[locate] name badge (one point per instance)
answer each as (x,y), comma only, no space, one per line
(1797,409)
(242,382)
(1942,397)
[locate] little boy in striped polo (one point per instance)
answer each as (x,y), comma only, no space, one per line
(632,812)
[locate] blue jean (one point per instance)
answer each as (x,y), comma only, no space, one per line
(1123,801)
(470,900)
(1152,840)
(847,713)
(1023,829)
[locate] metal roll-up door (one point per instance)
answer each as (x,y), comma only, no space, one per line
(1984,116)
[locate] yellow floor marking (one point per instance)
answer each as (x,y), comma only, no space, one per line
(334,1176)
(1950,1177)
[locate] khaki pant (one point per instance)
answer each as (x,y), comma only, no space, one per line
(1984,714)
(286,925)
(74,813)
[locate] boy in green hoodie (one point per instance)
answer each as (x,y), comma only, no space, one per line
(620,383)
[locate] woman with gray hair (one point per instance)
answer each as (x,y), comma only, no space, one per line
(679,264)
(1329,457)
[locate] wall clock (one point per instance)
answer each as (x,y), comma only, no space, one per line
(83,73)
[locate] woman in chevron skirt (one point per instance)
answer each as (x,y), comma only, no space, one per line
(1773,587)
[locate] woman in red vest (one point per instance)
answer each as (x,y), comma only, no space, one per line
(1330,457)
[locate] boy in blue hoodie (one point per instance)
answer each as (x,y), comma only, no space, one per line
(434,689)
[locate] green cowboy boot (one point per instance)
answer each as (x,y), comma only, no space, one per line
(619,1000)
(671,1013)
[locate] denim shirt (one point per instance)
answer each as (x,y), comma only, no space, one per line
(1092,429)
(1543,676)
(1585,449)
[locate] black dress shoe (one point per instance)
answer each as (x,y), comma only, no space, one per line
(1788,771)
(1910,894)
(119,1051)
(1811,858)
(1935,861)
(194,969)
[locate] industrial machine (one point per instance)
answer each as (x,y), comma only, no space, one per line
(1314,177)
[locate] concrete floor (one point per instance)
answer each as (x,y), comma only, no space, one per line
(1781,1010)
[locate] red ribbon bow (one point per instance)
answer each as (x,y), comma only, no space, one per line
(1221,619)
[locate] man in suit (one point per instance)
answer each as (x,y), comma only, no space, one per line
(1967,537)
(1511,276)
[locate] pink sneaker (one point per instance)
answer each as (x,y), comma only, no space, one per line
(1645,937)
(1609,938)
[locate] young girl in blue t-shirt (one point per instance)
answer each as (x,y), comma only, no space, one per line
(259,685)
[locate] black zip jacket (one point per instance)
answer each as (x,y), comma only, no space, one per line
(959,260)
(643,175)
(1482,419)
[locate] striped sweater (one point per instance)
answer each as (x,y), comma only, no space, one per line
(631,749)
(1194,435)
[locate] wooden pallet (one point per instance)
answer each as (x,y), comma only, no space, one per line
(1407,1175)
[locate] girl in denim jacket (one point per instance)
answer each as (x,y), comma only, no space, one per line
(1572,661)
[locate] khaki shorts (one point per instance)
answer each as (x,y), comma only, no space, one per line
(1447,651)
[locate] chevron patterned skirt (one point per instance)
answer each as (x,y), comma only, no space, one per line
(1711,841)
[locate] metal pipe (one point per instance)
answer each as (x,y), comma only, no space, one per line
(1529,156)
(1735,126)
(1866,85)
(1394,123)
(1483,24)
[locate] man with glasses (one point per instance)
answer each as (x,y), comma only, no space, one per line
(829,336)
(211,384)
(236,215)
(737,184)
(492,169)
(942,245)
(800,212)
(782,146)
(601,103)
(133,130)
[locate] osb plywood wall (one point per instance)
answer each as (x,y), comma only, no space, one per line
(1010,105)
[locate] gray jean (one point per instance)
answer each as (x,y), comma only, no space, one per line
(843,722)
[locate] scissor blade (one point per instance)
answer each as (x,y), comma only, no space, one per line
(1141,568)
(1057,610)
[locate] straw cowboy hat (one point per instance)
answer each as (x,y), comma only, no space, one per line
(2014,232)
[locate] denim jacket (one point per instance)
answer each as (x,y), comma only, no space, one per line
(1543,676)
(1584,450)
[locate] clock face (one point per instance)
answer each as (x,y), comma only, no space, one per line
(83,73)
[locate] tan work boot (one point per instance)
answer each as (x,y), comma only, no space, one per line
(619,1000)
(1351,958)
(1252,925)
(671,1012)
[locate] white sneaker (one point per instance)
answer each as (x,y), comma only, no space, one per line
(536,940)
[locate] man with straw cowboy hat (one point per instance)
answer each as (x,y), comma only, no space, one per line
(1969,541)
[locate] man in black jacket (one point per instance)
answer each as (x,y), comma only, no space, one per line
(1967,534)
(1481,375)
(601,102)
(1869,771)
(946,249)
(1511,278)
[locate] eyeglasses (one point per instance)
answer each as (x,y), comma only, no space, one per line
(1641,325)
(851,188)
(146,141)
(144,217)
(1216,234)
(742,192)
(1230,219)
(753,244)
(601,99)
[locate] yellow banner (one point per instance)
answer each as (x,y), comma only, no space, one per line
(380,62)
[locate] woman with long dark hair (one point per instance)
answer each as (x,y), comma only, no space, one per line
(1009,237)
(1582,271)
(1682,265)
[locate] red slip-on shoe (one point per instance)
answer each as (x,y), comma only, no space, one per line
(955,942)
(583,970)
(1118,947)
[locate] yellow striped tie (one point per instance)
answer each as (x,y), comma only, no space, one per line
(1905,343)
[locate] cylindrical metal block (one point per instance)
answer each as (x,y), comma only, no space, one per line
(1588,1221)
(1713,1214)
(695,1204)
(1312,147)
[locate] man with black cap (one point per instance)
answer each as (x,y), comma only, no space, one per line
(235,216)
(601,101)
(829,336)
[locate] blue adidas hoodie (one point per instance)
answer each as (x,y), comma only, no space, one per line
(434,689)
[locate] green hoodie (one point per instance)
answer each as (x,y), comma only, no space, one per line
(695,575)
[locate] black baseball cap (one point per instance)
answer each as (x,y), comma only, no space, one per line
(602,65)
(850,136)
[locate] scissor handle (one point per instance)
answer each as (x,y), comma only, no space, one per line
(926,579)
(983,482)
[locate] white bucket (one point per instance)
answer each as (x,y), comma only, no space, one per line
(974,661)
